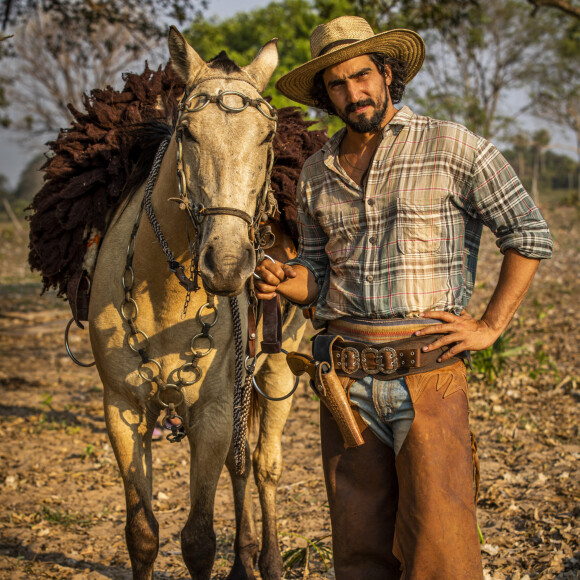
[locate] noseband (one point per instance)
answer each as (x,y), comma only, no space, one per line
(231,102)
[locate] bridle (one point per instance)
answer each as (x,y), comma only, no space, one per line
(136,338)
(197,212)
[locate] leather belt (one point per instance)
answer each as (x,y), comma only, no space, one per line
(388,360)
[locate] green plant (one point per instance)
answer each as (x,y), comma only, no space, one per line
(491,361)
(47,401)
(65,519)
(88,451)
(295,557)
(545,364)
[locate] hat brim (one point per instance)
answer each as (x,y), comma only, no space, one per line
(399,43)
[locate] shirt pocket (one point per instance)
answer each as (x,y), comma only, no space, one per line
(338,228)
(418,227)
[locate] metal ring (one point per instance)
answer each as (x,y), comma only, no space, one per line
(128,287)
(198,107)
(254,359)
(68,350)
(137,333)
(271,260)
(289,394)
(211,344)
(129,301)
(142,364)
(196,371)
(220,101)
(212,307)
(164,388)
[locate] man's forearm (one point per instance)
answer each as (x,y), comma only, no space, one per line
(515,278)
(302,289)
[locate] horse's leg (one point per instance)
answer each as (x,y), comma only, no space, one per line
(274,379)
(209,438)
(130,433)
(246,544)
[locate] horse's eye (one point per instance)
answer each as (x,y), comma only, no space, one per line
(186,132)
(269,137)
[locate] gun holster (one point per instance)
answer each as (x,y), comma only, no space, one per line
(329,388)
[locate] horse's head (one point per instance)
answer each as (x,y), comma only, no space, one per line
(224,142)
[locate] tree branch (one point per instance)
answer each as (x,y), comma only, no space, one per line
(561,5)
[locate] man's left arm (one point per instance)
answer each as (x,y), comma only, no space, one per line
(467,333)
(498,199)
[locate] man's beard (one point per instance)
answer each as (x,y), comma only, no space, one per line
(362,124)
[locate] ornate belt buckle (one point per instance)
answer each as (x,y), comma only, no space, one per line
(392,354)
(350,360)
(370,355)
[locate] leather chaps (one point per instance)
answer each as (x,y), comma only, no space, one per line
(412,517)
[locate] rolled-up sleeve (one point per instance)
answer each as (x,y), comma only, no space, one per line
(499,199)
(313,239)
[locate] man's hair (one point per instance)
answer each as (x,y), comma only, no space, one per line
(398,67)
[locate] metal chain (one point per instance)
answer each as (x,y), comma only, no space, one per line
(138,341)
(149,368)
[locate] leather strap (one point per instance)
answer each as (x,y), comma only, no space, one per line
(272,314)
(78,296)
(252,331)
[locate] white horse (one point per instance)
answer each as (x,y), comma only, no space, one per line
(162,346)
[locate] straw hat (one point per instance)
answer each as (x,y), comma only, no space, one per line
(344,38)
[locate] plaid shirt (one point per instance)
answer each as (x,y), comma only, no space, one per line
(407,240)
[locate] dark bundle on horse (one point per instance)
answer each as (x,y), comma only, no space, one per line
(97,163)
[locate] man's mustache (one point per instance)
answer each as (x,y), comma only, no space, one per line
(354,106)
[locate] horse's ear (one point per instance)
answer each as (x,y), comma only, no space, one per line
(263,66)
(186,62)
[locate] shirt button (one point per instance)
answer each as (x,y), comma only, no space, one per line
(372,240)
(371,201)
(370,278)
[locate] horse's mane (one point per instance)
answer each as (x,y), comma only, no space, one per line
(105,155)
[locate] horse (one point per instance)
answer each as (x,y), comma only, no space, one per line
(163,343)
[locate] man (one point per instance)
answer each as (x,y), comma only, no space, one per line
(390,214)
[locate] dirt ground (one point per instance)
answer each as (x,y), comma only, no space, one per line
(61,499)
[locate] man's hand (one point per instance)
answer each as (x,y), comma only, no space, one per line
(270,275)
(463,332)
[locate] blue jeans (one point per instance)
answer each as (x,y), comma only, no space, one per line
(386,407)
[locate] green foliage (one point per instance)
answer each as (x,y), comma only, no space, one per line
(490,362)
(65,519)
(242,37)
(300,557)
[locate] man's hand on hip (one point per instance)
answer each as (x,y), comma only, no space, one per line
(462,332)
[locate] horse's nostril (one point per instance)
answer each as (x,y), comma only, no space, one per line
(208,257)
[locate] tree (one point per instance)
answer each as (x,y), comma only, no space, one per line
(291,21)
(569,8)
(147,17)
(241,36)
(42,94)
(540,141)
(475,58)
(521,143)
(556,90)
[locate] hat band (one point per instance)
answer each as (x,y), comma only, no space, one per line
(337,43)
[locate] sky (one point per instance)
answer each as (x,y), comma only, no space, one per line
(14,157)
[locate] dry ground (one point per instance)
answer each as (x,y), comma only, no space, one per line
(62,509)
